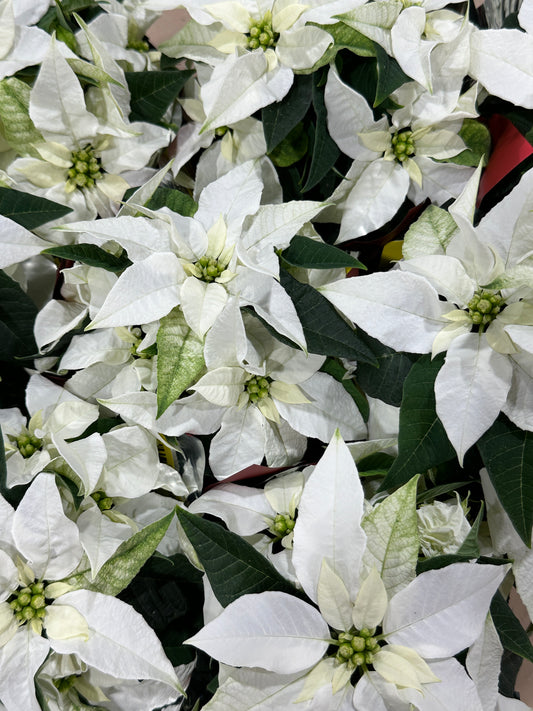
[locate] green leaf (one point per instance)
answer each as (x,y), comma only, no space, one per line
(477,139)
(310,254)
(232,565)
(362,77)
(377,464)
(325,151)
(17,316)
(92,255)
(507,453)
(29,210)
(175,200)
(325,331)
(441,561)
(117,572)
(282,116)
(153,92)
(389,73)
(512,635)
(69,6)
(392,537)
(180,359)
(384,382)
(344,38)
(436,491)
(291,149)
(422,441)
(470,545)
(338,371)
(15,122)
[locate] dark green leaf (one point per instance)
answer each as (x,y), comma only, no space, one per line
(338,371)
(325,331)
(3,468)
(507,453)
(440,561)
(422,441)
(325,151)
(362,77)
(291,149)
(92,255)
(512,635)
(28,210)
(379,461)
(390,75)
(17,316)
(385,382)
(13,384)
(310,254)
(470,545)
(436,491)
(233,567)
(117,572)
(69,6)
(153,92)
(510,666)
(282,116)
(174,199)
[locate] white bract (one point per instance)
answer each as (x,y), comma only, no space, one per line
(240,141)
(40,547)
(21,44)
(468,292)
(408,660)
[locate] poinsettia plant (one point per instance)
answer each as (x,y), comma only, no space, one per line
(266,397)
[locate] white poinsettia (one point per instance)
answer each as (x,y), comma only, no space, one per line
(121,33)
(255,48)
(115,473)
(265,517)
(83,155)
(227,248)
(264,397)
(401,648)
(83,292)
(391,161)
(64,681)
(29,445)
(39,547)
(111,361)
(468,292)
